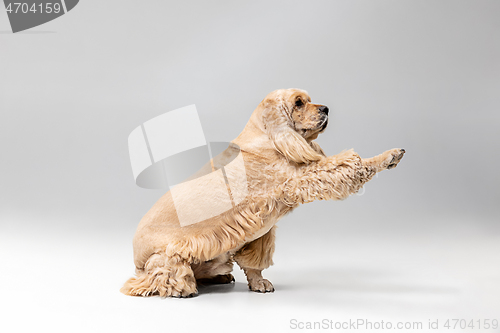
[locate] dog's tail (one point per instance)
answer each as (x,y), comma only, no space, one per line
(142,285)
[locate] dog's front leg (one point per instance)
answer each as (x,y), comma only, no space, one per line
(336,177)
(385,161)
(255,257)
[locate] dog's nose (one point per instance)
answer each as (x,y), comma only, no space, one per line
(324,109)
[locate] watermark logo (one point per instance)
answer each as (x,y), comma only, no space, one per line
(26,14)
(205,179)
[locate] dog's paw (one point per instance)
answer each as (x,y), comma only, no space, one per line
(181,294)
(261,286)
(224,279)
(218,279)
(394,156)
(182,289)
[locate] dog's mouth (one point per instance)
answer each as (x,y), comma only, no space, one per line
(323,125)
(307,132)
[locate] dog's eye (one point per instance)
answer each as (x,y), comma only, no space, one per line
(299,102)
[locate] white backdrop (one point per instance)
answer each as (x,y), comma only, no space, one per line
(421,243)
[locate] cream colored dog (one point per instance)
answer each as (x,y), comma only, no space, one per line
(284,168)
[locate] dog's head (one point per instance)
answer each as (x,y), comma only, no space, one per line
(292,122)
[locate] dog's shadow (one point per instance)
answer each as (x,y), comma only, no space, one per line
(204,289)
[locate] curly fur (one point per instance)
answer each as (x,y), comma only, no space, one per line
(284,168)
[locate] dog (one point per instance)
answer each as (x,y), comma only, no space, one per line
(284,168)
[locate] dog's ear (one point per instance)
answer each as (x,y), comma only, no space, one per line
(284,138)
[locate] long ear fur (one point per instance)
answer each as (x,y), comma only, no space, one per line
(285,139)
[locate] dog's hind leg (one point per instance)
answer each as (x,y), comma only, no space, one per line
(255,257)
(215,271)
(164,276)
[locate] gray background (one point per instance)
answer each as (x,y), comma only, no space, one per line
(421,242)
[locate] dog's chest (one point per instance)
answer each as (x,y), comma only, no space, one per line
(259,233)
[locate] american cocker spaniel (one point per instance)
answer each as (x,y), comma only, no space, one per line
(283,168)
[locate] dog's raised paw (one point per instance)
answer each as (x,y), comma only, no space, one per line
(394,158)
(261,286)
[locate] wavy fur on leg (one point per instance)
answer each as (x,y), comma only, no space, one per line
(336,177)
(333,178)
(256,282)
(163,276)
(257,254)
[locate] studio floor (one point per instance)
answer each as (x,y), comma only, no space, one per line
(66,278)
